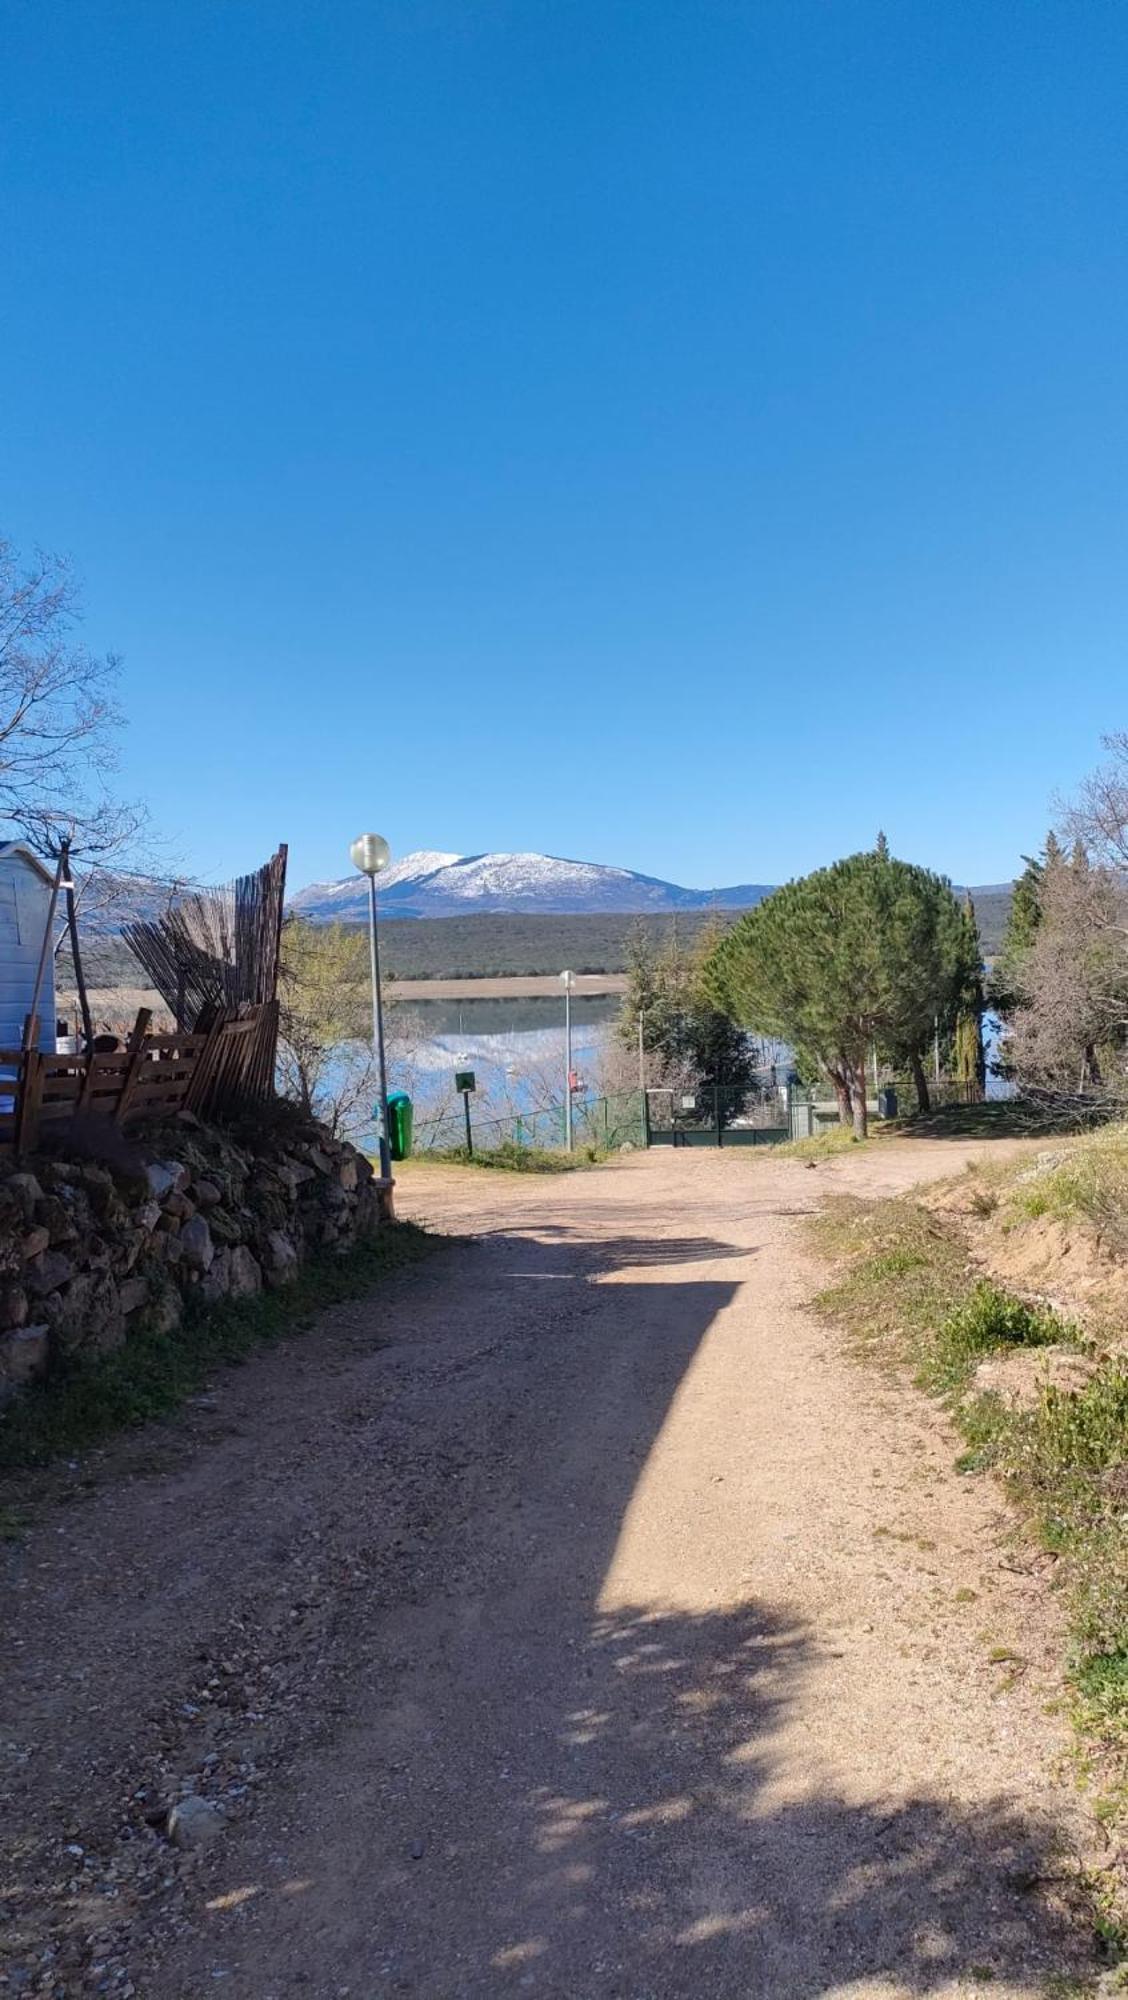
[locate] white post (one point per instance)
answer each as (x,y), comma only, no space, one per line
(370,853)
(567,978)
(31,1022)
(378,1030)
(641,1056)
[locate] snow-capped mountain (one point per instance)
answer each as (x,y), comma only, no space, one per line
(446,885)
(330,900)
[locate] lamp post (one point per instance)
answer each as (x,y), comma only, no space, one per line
(567,978)
(371,854)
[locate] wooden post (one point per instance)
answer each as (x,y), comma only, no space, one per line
(87,1091)
(30,1096)
(136,1053)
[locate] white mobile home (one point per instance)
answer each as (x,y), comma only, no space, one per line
(25,903)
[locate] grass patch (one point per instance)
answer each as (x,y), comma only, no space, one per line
(901,1271)
(1101,1683)
(82,1402)
(1089,1184)
(905,1279)
(513,1159)
(984,1321)
(823,1146)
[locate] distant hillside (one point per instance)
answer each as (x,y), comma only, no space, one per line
(476,947)
(992,908)
(496,944)
(485,946)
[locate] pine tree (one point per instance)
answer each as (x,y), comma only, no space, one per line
(869,951)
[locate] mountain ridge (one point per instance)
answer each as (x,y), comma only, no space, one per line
(435,884)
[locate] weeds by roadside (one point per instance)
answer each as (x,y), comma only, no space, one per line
(985,1320)
(901,1270)
(81,1403)
(907,1290)
(824,1146)
(514,1159)
(1088,1183)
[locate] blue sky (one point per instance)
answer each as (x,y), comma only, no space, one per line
(685,435)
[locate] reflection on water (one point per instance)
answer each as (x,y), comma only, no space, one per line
(515,1048)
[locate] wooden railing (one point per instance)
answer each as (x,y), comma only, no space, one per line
(208,1072)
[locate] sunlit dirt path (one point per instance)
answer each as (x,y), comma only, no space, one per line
(608,1632)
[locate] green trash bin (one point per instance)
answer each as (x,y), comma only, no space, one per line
(401,1113)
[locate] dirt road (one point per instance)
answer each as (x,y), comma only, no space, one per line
(571,1619)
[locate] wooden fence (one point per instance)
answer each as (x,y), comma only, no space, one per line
(208,1072)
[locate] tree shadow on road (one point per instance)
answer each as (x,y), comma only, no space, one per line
(545,1786)
(633,1251)
(669,1843)
(998,1118)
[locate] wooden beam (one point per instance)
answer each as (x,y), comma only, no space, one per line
(136,1054)
(28,1099)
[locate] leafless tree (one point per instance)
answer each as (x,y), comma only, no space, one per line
(59,719)
(1069,1033)
(326,1061)
(1098,816)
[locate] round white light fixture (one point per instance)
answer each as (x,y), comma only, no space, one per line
(370,853)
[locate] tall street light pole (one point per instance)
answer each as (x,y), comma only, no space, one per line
(567,978)
(371,854)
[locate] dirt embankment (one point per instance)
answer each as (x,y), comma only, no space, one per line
(1051,1227)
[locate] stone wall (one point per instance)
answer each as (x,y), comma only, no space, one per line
(91,1251)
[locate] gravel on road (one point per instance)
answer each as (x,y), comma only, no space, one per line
(572,1617)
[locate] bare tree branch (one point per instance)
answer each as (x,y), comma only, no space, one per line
(59,719)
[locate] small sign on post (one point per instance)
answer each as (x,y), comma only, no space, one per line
(464,1083)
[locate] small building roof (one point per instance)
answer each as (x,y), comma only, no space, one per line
(9,848)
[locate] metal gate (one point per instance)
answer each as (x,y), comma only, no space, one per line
(719,1115)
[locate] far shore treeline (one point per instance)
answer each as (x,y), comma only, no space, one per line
(518,946)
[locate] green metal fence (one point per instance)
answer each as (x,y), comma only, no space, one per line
(603,1123)
(719,1115)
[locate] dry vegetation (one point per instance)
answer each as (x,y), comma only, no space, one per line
(1085,1184)
(1005,1293)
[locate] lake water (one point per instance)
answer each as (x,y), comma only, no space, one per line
(516,1050)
